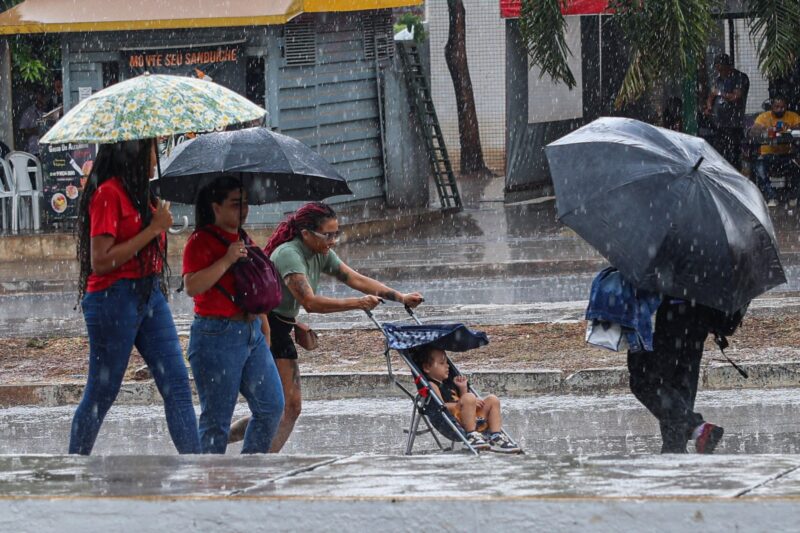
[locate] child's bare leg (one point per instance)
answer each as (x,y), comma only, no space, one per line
(491,412)
(467,406)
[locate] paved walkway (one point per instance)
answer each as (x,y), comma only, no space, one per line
(394,493)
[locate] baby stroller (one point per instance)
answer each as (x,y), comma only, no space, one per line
(428,407)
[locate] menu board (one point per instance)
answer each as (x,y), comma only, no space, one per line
(66,168)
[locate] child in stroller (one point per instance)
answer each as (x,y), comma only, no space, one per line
(475,415)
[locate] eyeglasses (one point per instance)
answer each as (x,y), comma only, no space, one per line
(331,236)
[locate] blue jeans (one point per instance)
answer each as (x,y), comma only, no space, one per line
(117,320)
(229,357)
(770,163)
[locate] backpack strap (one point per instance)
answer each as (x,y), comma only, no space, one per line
(722,343)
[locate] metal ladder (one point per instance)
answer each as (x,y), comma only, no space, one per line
(422,104)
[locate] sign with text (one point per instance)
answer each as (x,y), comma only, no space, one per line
(66,168)
(223,64)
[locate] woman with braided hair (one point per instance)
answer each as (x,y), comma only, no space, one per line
(122,255)
(301,249)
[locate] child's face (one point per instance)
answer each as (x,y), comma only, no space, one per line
(437,367)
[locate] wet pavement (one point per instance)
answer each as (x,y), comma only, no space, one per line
(755,421)
(591,465)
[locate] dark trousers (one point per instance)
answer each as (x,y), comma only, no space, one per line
(665,380)
(728,142)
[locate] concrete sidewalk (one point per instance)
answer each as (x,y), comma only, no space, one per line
(378,384)
(451,492)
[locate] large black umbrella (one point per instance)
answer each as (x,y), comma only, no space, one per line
(272,167)
(667,210)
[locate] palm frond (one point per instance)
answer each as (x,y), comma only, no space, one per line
(773,28)
(666,38)
(543,27)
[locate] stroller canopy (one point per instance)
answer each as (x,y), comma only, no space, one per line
(448,337)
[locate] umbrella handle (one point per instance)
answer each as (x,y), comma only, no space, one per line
(184,225)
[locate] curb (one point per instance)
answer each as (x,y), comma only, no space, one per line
(378,385)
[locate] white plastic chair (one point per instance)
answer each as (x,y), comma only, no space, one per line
(6,192)
(23,186)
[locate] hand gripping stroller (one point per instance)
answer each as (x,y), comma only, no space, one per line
(428,407)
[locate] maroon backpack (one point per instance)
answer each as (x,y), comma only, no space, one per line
(257,281)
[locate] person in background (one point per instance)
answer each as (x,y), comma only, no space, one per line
(775,157)
(30,122)
(726,105)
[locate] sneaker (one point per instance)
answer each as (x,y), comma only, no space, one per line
(772,203)
(709,437)
(793,203)
(477,441)
(500,443)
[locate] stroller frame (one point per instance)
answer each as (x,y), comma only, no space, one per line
(422,402)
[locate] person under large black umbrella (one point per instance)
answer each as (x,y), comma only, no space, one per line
(272,167)
(667,210)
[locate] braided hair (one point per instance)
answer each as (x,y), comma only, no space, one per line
(311,216)
(130,162)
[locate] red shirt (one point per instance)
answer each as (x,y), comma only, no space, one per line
(203,250)
(111,212)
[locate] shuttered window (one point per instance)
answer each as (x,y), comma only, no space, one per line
(378,32)
(300,42)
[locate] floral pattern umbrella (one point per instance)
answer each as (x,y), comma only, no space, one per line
(152,105)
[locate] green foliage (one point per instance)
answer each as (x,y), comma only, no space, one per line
(412,23)
(773,27)
(667,38)
(35,57)
(542,25)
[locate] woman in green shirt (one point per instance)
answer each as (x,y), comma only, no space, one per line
(301,249)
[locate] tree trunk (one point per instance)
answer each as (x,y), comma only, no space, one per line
(455,54)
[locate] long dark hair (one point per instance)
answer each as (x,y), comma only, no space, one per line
(130,162)
(213,193)
(310,217)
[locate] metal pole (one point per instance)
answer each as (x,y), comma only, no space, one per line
(732,41)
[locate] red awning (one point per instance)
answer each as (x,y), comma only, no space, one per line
(509,9)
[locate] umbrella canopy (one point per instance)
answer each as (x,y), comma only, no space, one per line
(667,210)
(272,167)
(449,337)
(149,106)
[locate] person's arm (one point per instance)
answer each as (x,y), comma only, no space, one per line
(759,128)
(367,285)
(199,282)
(106,256)
(734,96)
(265,328)
(313,303)
(451,406)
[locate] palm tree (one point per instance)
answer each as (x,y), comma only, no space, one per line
(773,27)
(666,40)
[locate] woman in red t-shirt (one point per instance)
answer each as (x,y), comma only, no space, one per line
(122,252)
(228,350)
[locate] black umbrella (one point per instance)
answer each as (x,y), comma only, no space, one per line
(272,167)
(667,210)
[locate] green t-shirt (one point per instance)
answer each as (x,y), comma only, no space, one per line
(294,257)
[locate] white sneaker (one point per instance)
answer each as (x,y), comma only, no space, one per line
(772,203)
(501,444)
(793,203)
(477,441)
